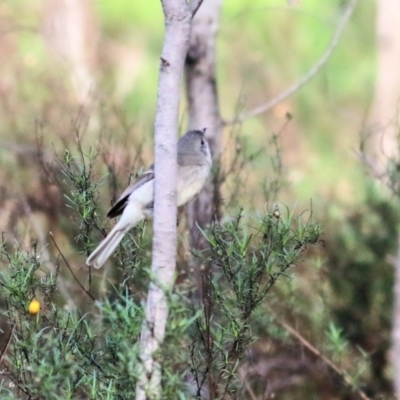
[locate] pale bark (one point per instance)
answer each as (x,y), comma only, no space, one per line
(385,123)
(202,96)
(203,105)
(70,31)
(385,119)
(178,23)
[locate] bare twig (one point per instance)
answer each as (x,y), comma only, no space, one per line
(249,390)
(70,269)
(370,164)
(7,343)
(308,76)
(325,359)
(194,6)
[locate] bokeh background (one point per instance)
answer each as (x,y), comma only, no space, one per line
(88,69)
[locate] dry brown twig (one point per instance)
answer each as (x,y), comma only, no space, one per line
(7,343)
(308,76)
(322,357)
(70,268)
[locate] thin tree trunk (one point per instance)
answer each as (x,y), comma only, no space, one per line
(202,97)
(386,108)
(385,120)
(178,23)
(70,31)
(203,105)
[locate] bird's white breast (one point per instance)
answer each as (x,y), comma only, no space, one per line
(190,182)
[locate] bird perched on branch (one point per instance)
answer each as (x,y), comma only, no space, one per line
(136,202)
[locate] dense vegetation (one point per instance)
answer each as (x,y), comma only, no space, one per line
(298,299)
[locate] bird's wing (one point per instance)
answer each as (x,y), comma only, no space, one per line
(120,204)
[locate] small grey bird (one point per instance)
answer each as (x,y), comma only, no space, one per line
(136,202)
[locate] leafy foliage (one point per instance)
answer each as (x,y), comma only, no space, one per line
(243,263)
(68,354)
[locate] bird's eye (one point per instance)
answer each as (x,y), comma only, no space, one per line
(202,142)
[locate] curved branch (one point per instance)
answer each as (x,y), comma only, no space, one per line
(321,356)
(308,76)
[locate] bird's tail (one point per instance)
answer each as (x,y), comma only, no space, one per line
(130,217)
(104,250)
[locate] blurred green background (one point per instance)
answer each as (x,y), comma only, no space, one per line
(91,71)
(262,49)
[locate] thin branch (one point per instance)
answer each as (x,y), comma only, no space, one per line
(249,390)
(70,269)
(308,76)
(371,165)
(194,6)
(325,359)
(8,342)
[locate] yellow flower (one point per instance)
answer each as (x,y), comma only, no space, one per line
(34,307)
